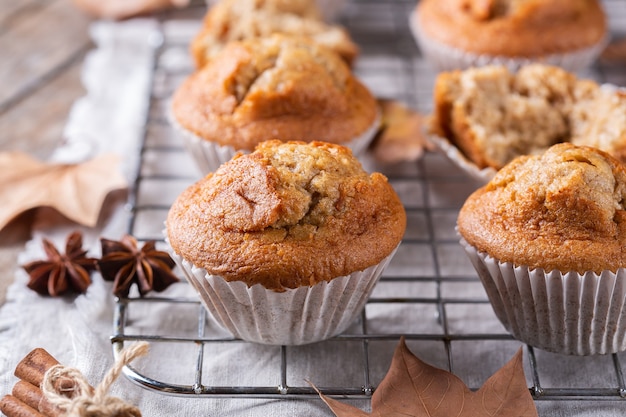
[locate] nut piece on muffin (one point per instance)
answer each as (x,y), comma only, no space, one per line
(297,233)
(494,115)
(284,87)
(235,20)
(457,34)
(547,237)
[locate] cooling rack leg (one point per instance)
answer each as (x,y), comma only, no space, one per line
(620,376)
(536,389)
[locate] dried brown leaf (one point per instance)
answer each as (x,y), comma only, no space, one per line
(413,388)
(615,52)
(76,190)
(401,137)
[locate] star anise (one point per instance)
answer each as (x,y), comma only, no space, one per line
(61,273)
(124,264)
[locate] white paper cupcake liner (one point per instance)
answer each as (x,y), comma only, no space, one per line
(447,58)
(293,317)
(453,153)
(209,156)
(568,313)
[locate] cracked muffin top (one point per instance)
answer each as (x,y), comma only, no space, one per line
(563,210)
(513,28)
(280,87)
(235,20)
(289,214)
(493,114)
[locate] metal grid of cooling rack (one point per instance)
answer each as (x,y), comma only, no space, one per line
(429,282)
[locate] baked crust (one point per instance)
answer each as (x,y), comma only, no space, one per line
(494,115)
(513,28)
(562,210)
(235,20)
(287,215)
(284,87)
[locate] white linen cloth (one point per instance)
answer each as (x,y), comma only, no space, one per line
(76,330)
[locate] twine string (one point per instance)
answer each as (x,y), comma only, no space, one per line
(80,399)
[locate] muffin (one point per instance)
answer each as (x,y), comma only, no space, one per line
(285,244)
(547,237)
(493,115)
(235,20)
(458,34)
(279,87)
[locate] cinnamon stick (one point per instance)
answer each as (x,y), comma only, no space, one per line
(13,407)
(49,410)
(34,366)
(27,396)
(27,393)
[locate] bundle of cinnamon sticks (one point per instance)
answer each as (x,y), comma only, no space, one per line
(26,398)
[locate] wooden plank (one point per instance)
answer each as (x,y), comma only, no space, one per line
(35,44)
(35,124)
(10,8)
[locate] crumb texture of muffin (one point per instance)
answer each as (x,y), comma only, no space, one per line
(563,210)
(235,20)
(513,28)
(282,87)
(287,215)
(494,115)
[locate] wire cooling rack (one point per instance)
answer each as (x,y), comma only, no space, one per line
(429,294)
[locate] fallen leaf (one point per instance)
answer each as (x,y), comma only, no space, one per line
(76,190)
(413,388)
(401,137)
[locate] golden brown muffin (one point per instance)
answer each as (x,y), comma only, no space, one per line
(598,118)
(235,20)
(493,115)
(283,87)
(513,28)
(562,210)
(287,215)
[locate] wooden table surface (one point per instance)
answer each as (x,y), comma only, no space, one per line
(42,45)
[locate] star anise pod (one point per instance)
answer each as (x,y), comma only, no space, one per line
(124,263)
(61,273)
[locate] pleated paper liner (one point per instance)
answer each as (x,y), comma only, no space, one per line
(209,156)
(294,317)
(568,313)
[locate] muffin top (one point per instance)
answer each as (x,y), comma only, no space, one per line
(234,20)
(287,215)
(562,210)
(284,87)
(513,28)
(493,114)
